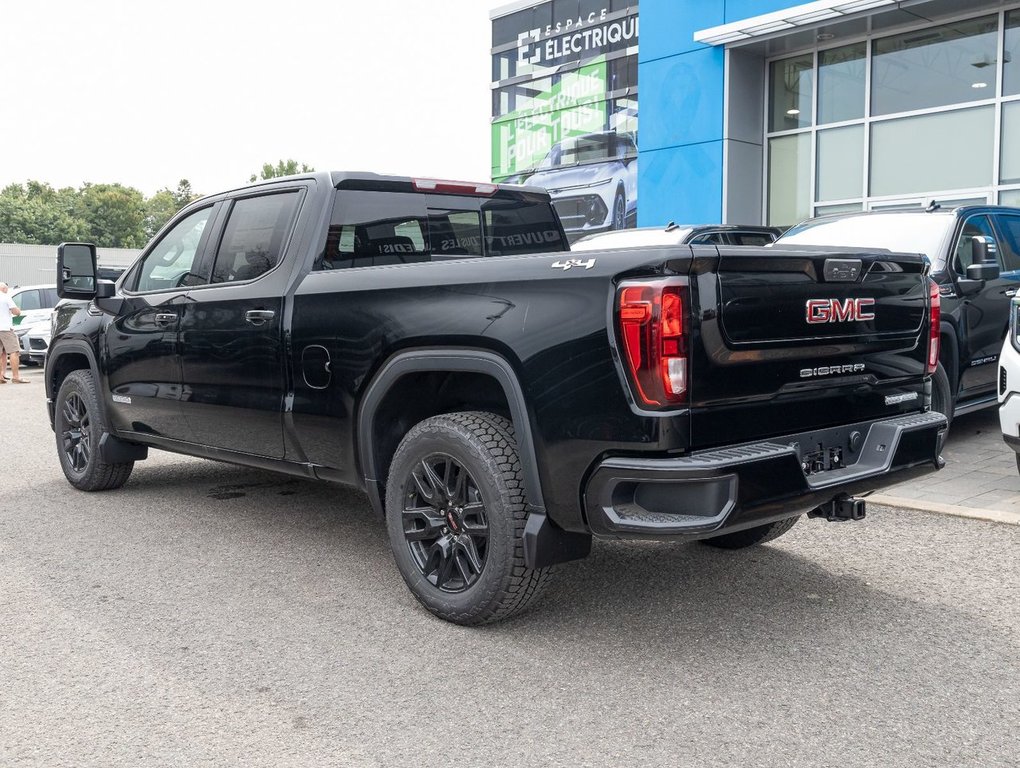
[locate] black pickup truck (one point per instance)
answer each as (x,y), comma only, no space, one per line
(499,399)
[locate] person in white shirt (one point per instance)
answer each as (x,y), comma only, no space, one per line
(8,339)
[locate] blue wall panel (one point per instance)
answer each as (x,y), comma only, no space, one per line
(681,99)
(681,184)
(668,26)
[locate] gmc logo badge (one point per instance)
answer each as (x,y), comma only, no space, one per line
(839,311)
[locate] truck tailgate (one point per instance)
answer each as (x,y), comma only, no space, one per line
(789,340)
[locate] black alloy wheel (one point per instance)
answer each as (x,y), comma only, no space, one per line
(445,523)
(456,510)
(75,433)
(79,424)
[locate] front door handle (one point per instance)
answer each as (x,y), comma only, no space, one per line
(1011,293)
(165,318)
(259,316)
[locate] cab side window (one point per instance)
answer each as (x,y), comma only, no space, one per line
(1009,229)
(973,227)
(254,237)
(168,265)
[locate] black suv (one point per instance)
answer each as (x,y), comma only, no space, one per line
(975,257)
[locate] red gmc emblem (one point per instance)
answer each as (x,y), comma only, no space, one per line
(839,311)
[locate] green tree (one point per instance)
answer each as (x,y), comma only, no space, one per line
(164,204)
(115,215)
(282,168)
(38,214)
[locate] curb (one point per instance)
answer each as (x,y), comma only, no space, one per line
(991,515)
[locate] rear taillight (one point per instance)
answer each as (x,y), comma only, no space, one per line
(934,317)
(653,339)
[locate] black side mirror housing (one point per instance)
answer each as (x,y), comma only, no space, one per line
(982,271)
(76,271)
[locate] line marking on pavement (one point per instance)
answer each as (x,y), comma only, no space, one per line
(992,515)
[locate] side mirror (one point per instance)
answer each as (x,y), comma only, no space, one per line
(76,271)
(982,271)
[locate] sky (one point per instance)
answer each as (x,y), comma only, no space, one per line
(149,92)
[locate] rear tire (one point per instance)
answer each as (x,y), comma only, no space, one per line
(751,537)
(79,424)
(455,514)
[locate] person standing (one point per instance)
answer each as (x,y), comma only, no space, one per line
(8,339)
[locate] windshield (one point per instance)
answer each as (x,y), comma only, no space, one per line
(905,232)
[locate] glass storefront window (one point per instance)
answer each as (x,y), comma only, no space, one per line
(791,82)
(935,67)
(1009,164)
(840,163)
(841,83)
(822,210)
(1010,197)
(789,179)
(1011,67)
(945,150)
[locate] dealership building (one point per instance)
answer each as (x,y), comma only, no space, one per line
(755,111)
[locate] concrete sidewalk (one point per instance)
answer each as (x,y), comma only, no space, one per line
(980,478)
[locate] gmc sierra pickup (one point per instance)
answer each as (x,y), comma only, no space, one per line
(499,399)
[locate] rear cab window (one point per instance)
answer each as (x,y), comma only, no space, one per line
(378,228)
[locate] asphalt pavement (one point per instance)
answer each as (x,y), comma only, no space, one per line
(208,615)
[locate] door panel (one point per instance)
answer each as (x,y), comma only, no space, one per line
(231,337)
(142,363)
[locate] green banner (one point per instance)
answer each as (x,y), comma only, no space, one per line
(574,106)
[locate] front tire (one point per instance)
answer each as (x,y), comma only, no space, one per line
(455,514)
(751,537)
(620,209)
(79,424)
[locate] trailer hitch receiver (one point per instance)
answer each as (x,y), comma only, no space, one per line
(840,509)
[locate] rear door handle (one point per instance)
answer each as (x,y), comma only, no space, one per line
(165,318)
(259,316)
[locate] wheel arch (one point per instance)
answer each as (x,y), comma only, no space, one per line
(375,446)
(61,361)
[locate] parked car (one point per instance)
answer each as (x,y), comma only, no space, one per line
(679,234)
(35,343)
(1009,383)
(592,180)
(36,302)
(975,260)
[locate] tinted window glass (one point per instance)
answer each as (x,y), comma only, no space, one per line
(1011,57)
(455,233)
(376,228)
(935,67)
(974,226)
(27,300)
(520,226)
(791,83)
(841,83)
(254,237)
(169,263)
(379,228)
(750,238)
(1009,228)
